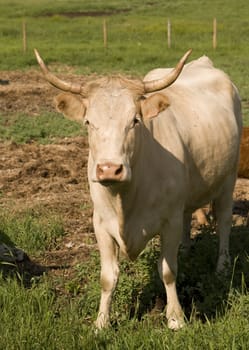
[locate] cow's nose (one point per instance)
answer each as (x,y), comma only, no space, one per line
(109,172)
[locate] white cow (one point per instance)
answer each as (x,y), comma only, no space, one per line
(154,158)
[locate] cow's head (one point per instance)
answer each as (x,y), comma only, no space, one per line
(114,110)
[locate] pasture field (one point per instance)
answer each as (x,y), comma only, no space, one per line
(71,33)
(50,299)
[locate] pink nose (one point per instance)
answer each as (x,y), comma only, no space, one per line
(109,172)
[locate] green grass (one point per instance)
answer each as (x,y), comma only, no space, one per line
(45,128)
(32,231)
(55,313)
(43,324)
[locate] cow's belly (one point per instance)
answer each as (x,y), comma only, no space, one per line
(204,196)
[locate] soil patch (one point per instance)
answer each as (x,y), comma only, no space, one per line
(28,92)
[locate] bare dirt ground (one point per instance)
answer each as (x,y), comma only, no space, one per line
(53,177)
(49,178)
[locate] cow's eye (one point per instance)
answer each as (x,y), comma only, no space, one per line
(86,122)
(90,125)
(135,121)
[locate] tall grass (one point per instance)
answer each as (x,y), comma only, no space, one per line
(33,231)
(43,316)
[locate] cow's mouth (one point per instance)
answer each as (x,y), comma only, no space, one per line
(112,183)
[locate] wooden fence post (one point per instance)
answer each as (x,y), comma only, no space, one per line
(105,33)
(24,36)
(214,33)
(169,33)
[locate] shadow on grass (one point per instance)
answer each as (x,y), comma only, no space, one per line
(202,293)
(15,263)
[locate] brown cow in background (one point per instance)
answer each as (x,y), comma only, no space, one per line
(243,170)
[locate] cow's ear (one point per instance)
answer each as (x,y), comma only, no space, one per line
(72,106)
(153,105)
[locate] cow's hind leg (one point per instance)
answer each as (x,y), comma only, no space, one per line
(186,236)
(223,206)
(109,275)
(167,267)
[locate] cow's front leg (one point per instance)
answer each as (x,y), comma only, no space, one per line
(167,266)
(109,275)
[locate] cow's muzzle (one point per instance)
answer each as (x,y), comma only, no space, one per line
(109,172)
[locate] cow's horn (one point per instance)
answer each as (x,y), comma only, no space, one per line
(52,79)
(159,84)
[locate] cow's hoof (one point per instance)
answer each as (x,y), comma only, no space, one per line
(101,323)
(175,324)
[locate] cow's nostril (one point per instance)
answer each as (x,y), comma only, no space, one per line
(100,169)
(119,170)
